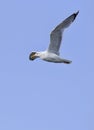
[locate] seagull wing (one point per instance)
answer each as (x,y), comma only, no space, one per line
(56,34)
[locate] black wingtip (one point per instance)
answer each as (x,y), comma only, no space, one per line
(75,14)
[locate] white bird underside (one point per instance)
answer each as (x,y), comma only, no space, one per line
(52,53)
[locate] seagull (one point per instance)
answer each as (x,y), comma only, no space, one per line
(52,53)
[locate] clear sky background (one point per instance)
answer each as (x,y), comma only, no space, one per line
(39,95)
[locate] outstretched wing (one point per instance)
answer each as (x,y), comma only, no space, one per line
(56,34)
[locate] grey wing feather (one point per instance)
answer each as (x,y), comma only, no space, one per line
(56,34)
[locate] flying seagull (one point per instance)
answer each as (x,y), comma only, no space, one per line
(52,53)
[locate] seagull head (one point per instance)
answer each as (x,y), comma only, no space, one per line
(33,56)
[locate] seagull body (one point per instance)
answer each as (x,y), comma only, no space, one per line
(52,53)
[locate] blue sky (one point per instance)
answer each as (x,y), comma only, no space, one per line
(40,95)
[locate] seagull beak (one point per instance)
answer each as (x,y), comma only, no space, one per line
(32,56)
